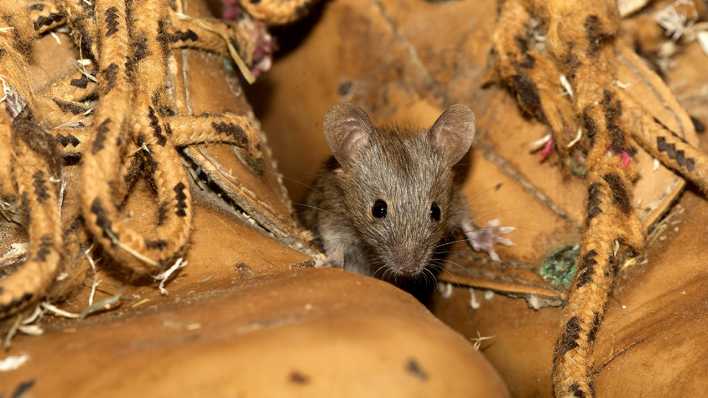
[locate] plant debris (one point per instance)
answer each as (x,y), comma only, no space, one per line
(560,267)
(13,362)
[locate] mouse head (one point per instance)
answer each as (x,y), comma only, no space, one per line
(397,186)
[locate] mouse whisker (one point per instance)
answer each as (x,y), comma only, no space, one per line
(439,264)
(455,265)
(424,278)
(310,206)
(381,267)
(385,274)
(308,186)
(433,279)
(448,243)
(435,264)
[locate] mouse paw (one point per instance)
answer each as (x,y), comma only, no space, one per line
(335,258)
(484,239)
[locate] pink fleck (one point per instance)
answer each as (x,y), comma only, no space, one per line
(231,10)
(625,159)
(547,149)
(230,13)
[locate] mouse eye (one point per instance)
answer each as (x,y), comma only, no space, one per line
(379,209)
(435,212)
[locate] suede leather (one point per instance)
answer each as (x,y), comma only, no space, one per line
(248,315)
(406,61)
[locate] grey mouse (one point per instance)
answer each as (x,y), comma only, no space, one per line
(386,199)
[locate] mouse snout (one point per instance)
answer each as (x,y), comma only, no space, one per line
(408,270)
(405,262)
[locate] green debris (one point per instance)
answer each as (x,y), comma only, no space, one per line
(559,268)
(577,166)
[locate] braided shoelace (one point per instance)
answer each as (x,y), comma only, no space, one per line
(566,79)
(115,115)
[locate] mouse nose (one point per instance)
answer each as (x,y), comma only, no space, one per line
(408,270)
(404,263)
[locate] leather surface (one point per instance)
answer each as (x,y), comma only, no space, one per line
(258,189)
(405,61)
(248,315)
(225,330)
(652,341)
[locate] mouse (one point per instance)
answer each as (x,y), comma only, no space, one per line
(387,198)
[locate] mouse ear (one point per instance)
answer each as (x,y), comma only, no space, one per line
(347,129)
(453,132)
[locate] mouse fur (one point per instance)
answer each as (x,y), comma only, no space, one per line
(411,172)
